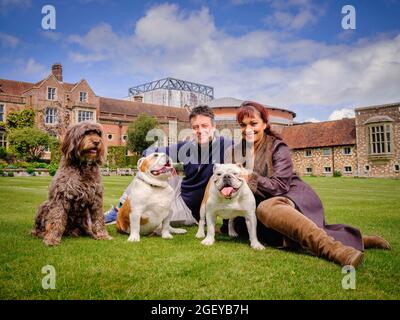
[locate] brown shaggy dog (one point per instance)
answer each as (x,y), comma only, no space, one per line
(74,206)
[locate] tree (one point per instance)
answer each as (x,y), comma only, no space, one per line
(137,132)
(21,119)
(29,143)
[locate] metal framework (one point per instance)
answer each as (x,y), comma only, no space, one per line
(172,84)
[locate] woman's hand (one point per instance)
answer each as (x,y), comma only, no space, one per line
(245,174)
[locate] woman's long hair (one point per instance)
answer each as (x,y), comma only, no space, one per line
(247,109)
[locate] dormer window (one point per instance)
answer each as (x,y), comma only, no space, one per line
(51,93)
(83,96)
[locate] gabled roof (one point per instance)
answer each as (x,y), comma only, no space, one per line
(17,88)
(134,108)
(320,134)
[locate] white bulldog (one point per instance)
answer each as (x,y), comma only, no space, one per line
(227,195)
(148,207)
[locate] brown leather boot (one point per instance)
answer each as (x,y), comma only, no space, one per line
(278,213)
(375,242)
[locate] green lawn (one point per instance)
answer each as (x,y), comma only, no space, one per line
(182,268)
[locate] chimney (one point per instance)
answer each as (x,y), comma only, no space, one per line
(138,98)
(56,69)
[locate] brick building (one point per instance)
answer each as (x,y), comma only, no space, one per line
(58,104)
(367,145)
(324,147)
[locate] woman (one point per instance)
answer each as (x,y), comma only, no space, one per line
(290,213)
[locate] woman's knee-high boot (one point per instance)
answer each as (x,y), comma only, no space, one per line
(278,213)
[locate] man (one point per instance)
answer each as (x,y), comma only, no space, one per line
(198,157)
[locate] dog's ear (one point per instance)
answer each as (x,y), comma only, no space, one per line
(239,165)
(216,166)
(139,163)
(69,145)
(100,157)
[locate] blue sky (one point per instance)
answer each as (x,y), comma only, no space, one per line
(292,54)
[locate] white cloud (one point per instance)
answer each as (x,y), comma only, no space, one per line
(8,40)
(51,35)
(312,120)
(260,65)
(342,113)
(294,15)
(32,67)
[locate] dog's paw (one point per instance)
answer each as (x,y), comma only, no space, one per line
(102,237)
(177,230)
(257,246)
(51,241)
(233,234)
(166,235)
(208,242)
(134,238)
(200,234)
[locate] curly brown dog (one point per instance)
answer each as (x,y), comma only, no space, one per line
(74,205)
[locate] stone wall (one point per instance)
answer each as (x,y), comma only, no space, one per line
(336,160)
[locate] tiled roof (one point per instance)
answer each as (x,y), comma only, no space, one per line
(134,108)
(14,87)
(320,134)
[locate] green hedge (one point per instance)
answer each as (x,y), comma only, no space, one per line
(117,158)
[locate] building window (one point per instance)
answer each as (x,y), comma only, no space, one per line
(397,167)
(308,170)
(326,151)
(3,140)
(366,168)
(327,170)
(85,115)
(307,153)
(379,137)
(51,116)
(83,96)
(348,169)
(2,112)
(51,93)
(347,151)
(110,137)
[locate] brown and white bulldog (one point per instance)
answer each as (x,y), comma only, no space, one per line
(148,207)
(227,195)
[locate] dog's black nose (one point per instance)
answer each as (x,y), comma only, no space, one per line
(226,178)
(96,143)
